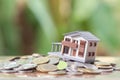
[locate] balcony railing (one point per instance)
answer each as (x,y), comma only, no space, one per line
(69,44)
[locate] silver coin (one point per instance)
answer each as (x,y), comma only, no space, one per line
(91,66)
(53,60)
(26,67)
(26,71)
(1,65)
(10,65)
(8,71)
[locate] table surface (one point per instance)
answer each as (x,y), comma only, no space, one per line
(42,76)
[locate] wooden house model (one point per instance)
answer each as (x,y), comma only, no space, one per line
(79,46)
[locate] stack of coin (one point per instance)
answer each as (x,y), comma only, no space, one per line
(104,67)
(89,71)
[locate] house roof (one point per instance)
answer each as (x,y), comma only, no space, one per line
(85,34)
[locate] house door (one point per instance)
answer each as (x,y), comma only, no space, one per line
(82,48)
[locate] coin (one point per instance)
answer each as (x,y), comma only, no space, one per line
(116,68)
(14,58)
(8,71)
(41,60)
(62,65)
(22,61)
(36,55)
(53,60)
(10,65)
(105,67)
(57,72)
(106,70)
(79,64)
(75,73)
(89,71)
(26,67)
(113,64)
(1,65)
(25,57)
(26,71)
(46,68)
(90,66)
(102,64)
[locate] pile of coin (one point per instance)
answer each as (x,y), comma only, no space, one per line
(53,65)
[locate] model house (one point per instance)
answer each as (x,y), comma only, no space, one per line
(79,46)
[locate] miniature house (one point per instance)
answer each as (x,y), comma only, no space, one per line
(79,46)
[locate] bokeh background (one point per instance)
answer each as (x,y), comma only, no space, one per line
(29,26)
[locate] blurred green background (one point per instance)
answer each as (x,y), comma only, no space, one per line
(29,26)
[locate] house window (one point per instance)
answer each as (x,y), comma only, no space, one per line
(66,50)
(95,44)
(90,44)
(89,53)
(76,41)
(67,39)
(93,53)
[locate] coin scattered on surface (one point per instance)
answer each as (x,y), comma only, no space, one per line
(46,68)
(57,72)
(54,65)
(62,65)
(40,60)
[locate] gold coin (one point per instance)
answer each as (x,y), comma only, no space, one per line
(46,68)
(40,60)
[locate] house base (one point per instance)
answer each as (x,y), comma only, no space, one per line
(67,57)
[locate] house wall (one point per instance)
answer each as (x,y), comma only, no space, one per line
(91,51)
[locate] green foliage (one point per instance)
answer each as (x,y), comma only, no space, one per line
(44,16)
(9,33)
